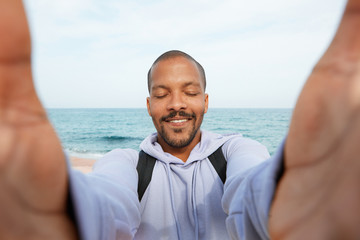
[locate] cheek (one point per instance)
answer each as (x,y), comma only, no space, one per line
(155,109)
(199,107)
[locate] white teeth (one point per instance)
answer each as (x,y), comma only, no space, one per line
(178,121)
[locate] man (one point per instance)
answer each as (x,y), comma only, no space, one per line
(185,188)
(316,197)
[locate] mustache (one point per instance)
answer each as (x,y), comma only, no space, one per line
(181,114)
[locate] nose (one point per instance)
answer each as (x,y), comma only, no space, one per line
(176,102)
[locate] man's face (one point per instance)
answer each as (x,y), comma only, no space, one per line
(177,102)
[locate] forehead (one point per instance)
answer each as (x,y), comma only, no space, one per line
(175,70)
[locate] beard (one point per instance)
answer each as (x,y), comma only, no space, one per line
(180,143)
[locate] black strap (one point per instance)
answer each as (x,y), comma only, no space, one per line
(146,165)
(144,168)
(218,161)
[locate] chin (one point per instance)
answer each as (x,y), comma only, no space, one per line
(179,142)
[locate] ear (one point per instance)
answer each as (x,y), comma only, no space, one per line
(206,102)
(148,105)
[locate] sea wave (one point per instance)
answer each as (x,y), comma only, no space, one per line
(84,154)
(120,138)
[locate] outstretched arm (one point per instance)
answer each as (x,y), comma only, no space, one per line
(33,178)
(318,196)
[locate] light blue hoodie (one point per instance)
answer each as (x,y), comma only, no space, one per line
(183,200)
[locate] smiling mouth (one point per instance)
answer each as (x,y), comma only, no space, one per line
(178,117)
(178,124)
(179,120)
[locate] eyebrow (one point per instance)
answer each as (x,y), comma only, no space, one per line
(184,86)
(159,86)
(196,84)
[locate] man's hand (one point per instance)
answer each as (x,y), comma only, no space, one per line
(318,197)
(33,178)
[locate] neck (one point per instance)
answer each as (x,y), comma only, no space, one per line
(181,153)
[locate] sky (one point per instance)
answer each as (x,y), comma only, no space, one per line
(256,54)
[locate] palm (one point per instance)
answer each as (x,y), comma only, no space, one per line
(32,167)
(318,196)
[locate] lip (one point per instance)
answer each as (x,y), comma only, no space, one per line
(177,119)
(178,122)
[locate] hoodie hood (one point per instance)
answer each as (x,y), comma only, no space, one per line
(187,193)
(208,144)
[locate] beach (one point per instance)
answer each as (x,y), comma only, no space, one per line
(82,164)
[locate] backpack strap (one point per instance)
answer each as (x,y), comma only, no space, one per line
(218,161)
(146,165)
(144,168)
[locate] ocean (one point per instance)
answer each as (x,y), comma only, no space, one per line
(90,133)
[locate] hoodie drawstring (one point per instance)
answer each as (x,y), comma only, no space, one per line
(194,200)
(193,190)
(173,203)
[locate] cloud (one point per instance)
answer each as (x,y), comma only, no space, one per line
(256,53)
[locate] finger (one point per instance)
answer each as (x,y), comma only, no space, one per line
(16,87)
(14,31)
(331,96)
(345,46)
(353,5)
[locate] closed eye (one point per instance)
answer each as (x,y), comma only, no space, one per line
(191,94)
(160,96)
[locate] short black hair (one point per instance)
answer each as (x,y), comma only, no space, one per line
(173,54)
